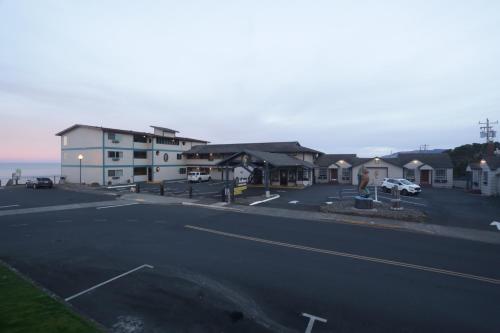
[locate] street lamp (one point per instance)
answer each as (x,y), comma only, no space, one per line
(80,158)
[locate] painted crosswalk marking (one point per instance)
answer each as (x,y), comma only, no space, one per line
(293,202)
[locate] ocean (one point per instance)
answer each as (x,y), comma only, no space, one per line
(29,169)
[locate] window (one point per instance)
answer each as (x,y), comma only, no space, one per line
(410,174)
(115,155)
(140,138)
(300,174)
(65,140)
(115,173)
(275,176)
(182,171)
(322,173)
(113,138)
(346,174)
(440,176)
(291,175)
(179,156)
(140,171)
(161,140)
(165,157)
(142,154)
(485,177)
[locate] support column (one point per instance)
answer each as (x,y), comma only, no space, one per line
(267,179)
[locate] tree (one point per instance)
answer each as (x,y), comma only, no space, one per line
(465,154)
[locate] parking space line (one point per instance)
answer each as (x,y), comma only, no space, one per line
(405,201)
(8,206)
(351,256)
(123,205)
(293,202)
(106,282)
(265,200)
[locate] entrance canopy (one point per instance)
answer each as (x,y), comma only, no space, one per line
(259,159)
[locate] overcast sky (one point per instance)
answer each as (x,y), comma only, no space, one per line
(367,77)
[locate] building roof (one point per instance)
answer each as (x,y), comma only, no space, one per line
(115,130)
(328,159)
(164,129)
(274,159)
(493,162)
(437,161)
(270,147)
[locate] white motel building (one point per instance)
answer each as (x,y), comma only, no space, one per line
(108,156)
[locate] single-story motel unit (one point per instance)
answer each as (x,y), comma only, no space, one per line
(108,156)
(485,175)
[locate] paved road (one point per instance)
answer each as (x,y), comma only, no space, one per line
(244,273)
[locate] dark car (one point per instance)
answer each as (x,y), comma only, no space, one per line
(39,183)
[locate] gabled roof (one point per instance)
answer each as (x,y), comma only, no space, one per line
(115,130)
(164,129)
(493,162)
(271,147)
(274,159)
(328,159)
(437,161)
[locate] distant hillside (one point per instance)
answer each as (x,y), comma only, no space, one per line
(463,155)
(430,151)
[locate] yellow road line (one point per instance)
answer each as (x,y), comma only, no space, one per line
(349,255)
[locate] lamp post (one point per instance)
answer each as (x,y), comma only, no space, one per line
(80,158)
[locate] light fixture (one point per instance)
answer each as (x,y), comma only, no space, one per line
(341,161)
(415,161)
(483,161)
(377,159)
(80,157)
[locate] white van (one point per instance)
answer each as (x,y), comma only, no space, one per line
(197,176)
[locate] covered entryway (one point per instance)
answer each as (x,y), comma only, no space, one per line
(334,175)
(283,177)
(425,177)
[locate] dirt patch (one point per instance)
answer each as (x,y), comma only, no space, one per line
(381,210)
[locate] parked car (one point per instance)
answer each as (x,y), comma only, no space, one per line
(39,182)
(198,176)
(405,187)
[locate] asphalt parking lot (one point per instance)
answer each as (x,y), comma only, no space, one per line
(17,197)
(147,268)
(451,207)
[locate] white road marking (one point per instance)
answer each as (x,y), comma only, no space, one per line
(128,204)
(329,202)
(106,282)
(293,202)
(121,186)
(312,319)
(8,206)
(495,223)
(351,256)
(265,200)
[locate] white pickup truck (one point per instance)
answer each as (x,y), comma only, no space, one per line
(196,176)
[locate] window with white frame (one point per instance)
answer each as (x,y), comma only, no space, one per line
(115,173)
(65,140)
(323,173)
(410,174)
(115,155)
(440,176)
(346,174)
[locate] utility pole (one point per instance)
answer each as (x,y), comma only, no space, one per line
(424,147)
(489,134)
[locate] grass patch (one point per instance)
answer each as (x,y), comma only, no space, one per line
(26,308)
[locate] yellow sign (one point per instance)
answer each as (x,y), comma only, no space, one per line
(239,190)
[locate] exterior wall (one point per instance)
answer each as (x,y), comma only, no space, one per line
(88,143)
(393,171)
(449,179)
(491,186)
